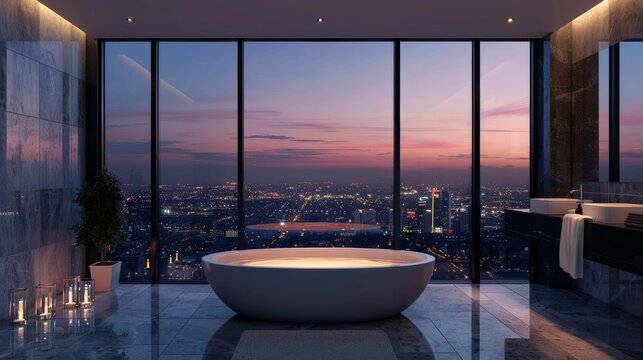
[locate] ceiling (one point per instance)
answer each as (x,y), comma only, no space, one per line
(297,19)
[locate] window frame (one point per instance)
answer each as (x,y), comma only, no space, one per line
(98,133)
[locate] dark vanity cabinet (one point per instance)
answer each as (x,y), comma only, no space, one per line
(608,244)
(543,234)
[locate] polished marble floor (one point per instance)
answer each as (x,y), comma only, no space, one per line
(448,321)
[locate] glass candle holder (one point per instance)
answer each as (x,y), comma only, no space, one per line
(86,321)
(45,301)
(71,322)
(45,334)
(18,341)
(18,306)
(70,292)
(86,293)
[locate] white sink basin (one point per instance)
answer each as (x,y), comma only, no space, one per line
(554,206)
(611,213)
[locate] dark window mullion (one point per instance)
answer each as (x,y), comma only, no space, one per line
(240,149)
(154,155)
(614,113)
(397,204)
(475,162)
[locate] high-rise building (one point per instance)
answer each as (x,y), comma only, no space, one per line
(364,216)
(445,207)
(439,213)
(423,215)
(436,220)
(426,221)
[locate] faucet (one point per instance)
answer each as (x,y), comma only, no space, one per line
(579,191)
(579,208)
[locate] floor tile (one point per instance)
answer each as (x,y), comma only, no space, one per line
(314,344)
(448,321)
(184,305)
(194,337)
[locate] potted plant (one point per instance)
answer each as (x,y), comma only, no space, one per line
(101,225)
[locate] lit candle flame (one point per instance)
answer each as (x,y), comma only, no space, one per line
(21,310)
(46,306)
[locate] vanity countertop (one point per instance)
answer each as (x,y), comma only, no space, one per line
(560,216)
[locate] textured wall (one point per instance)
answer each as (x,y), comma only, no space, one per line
(41,140)
(560,127)
(573,141)
(573,127)
(618,288)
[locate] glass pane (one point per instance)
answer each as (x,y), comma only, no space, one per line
(127,147)
(603,115)
(631,108)
(319,143)
(436,153)
(197,155)
(504,154)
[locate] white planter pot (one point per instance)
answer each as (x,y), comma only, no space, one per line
(106,276)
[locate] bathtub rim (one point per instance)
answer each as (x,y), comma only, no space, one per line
(422,258)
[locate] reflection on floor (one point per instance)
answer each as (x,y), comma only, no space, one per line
(514,321)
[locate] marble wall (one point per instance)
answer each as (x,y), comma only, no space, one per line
(560,127)
(613,286)
(624,192)
(573,122)
(573,131)
(42,117)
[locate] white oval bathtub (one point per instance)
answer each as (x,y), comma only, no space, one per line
(316,285)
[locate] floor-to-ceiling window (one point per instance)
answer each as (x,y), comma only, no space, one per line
(318,143)
(197,155)
(631,108)
(127,118)
(318,120)
(504,154)
(436,115)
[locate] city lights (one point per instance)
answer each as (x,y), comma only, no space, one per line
(198,220)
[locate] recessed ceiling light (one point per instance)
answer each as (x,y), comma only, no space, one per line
(320,20)
(510,20)
(130,20)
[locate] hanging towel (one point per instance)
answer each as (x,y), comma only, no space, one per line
(571,245)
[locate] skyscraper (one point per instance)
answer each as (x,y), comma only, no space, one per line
(435,216)
(437,211)
(423,215)
(445,207)
(364,216)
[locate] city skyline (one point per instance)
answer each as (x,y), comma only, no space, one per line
(197,220)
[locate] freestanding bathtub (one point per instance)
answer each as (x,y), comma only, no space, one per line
(318,285)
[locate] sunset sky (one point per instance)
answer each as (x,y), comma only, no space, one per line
(319,111)
(631,107)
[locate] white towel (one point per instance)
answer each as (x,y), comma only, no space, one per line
(571,245)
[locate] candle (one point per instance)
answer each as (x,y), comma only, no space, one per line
(176,257)
(21,310)
(147,263)
(46,310)
(86,296)
(70,296)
